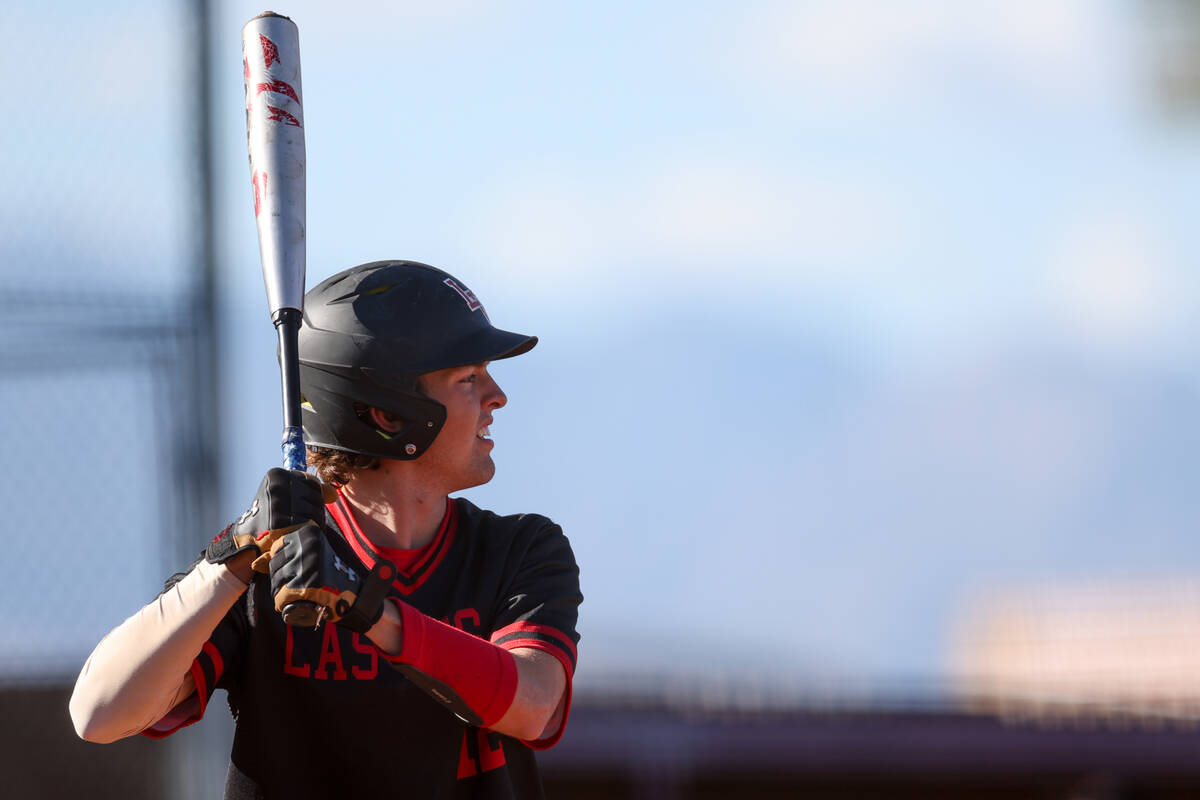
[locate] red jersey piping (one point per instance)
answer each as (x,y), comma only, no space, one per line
(407,581)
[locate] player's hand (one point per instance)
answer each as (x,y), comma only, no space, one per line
(304,567)
(286,500)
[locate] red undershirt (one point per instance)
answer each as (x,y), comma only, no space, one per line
(404,558)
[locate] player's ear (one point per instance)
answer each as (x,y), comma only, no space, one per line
(388,423)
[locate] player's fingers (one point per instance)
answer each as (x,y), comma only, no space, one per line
(269,543)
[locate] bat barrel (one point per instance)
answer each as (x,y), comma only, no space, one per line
(275,139)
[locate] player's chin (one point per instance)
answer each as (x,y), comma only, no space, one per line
(483,471)
(487,470)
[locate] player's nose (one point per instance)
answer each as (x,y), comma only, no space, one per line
(493,396)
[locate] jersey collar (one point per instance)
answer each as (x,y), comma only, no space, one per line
(409,580)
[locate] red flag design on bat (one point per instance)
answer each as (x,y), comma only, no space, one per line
(278,87)
(270,51)
(279,115)
(259,190)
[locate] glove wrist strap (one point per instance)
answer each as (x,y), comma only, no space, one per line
(362,614)
(228,545)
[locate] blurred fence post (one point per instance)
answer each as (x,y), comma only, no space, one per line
(109,376)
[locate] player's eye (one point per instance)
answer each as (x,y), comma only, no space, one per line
(475,370)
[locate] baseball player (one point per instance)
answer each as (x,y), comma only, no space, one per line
(445,640)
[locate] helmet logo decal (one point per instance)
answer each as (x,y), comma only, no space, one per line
(466,294)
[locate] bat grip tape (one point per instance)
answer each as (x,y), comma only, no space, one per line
(287,323)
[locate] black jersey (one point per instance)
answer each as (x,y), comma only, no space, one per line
(320,714)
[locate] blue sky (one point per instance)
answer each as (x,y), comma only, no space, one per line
(847,309)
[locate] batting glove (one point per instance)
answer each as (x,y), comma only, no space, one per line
(286,500)
(305,567)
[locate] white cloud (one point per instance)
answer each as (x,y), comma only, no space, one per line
(862,46)
(1110,282)
(540,224)
(684,222)
(816,227)
(697,208)
(872,52)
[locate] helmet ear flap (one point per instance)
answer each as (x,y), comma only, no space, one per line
(420,419)
(335,415)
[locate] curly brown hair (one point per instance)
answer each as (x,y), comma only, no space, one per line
(337,467)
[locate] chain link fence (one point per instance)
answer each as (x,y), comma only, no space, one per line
(106,353)
(93,473)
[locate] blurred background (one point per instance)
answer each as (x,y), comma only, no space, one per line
(866,387)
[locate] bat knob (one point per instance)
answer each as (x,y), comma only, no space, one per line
(302,614)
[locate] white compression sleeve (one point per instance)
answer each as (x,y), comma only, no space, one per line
(140,671)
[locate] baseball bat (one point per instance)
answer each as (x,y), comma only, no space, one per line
(275,139)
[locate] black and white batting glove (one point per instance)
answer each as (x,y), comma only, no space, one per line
(304,567)
(286,500)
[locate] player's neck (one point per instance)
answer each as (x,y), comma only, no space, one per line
(394,511)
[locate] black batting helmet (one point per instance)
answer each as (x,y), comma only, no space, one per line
(368,333)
